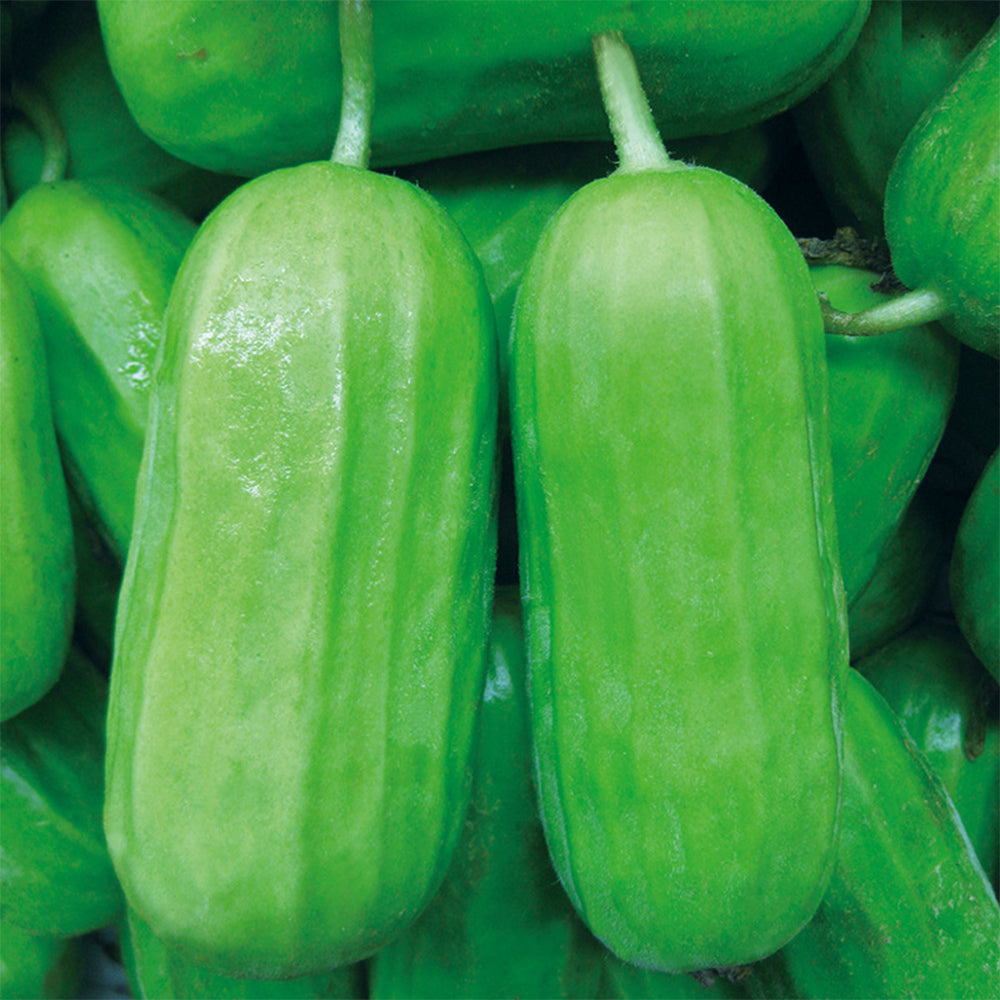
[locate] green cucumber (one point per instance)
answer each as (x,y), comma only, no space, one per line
(942,201)
(69,71)
(942,214)
(853,126)
(36,538)
(890,398)
(37,966)
(685,619)
(905,577)
(500,926)
(156,972)
(100,258)
(974,577)
(55,873)
(248,86)
(943,696)
(313,555)
(909,912)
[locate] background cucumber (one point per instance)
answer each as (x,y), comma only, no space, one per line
(247,86)
(36,538)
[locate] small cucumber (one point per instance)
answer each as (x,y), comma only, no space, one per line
(100,259)
(245,86)
(55,873)
(890,397)
(36,537)
(156,972)
(905,577)
(909,912)
(947,704)
(942,202)
(313,557)
(685,619)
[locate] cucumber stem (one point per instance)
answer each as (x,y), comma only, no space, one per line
(39,114)
(637,140)
(354,134)
(910,309)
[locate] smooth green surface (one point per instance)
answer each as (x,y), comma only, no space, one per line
(975,568)
(685,621)
(156,972)
(55,874)
(942,201)
(947,703)
(501,925)
(36,540)
(852,127)
(37,967)
(313,558)
(909,912)
(907,572)
(69,68)
(249,86)
(100,259)
(890,397)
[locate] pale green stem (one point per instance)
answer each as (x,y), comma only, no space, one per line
(354,134)
(636,137)
(46,125)
(910,309)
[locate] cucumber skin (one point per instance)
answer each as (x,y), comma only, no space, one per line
(36,537)
(905,578)
(974,575)
(100,258)
(909,912)
(247,87)
(942,201)
(56,877)
(638,554)
(155,972)
(313,555)
(853,126)
(890,398)
(935,684)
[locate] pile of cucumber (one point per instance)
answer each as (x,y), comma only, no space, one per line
(500,499)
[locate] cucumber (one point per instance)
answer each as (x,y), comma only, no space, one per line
(942,202)
(947,704)
(68,71)
(100,258)
(685,620)
(890,398)
(905,578)
(36,538)
(155,972)
(56,876)
(313,554)
(248,86)
(853,126)
(909,913)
